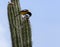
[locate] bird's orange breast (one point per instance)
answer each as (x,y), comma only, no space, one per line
(23,13)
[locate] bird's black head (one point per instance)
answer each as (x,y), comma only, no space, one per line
(29,13)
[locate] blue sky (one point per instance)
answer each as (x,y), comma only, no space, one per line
(45,22)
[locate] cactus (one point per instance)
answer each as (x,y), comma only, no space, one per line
(20,28)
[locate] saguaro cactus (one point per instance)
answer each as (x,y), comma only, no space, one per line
(20,30)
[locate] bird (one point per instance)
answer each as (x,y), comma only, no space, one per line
(25,13)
